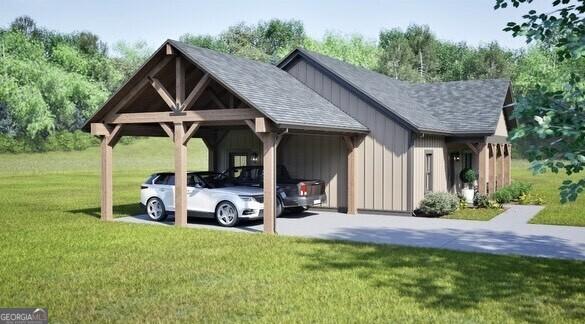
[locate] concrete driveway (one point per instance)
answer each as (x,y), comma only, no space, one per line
(507,233)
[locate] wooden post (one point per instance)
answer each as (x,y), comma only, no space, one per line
(269,141)
(483,159)
(509,166)
(179,83)
(492,169)
(106,180)
(500,166)
(180,175)
(352,174)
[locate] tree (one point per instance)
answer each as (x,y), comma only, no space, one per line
(551,120)
(421,42)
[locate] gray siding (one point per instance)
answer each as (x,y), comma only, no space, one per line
(237,141)
(383,153)
(436,145)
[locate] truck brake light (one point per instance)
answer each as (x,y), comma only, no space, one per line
(302,189)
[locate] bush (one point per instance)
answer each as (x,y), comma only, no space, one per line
(512,192)
(531,199)
(439,203)
(59,141)
(482,201)
(467,175)
(503,196)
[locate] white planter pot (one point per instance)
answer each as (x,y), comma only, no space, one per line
(468,194)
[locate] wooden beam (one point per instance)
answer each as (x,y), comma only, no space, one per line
(492,169)
(196,92)
(180,176)
(99,129)
(483,163)
(216,99)
(137,88)
(106,208)
(115,135)
(169,49)
(500,166)
(163,92)
(190,132)
(179,82)
(167,130)
(352,175)
(472,148)
(186,116)
(262,125)
(231,103)
(269,178)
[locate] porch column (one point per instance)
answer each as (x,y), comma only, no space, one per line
(106,181)
(492,169)
(507,164)
(269,141)
(483,168)
(352,144)
(500,166)
(109,138)
(180,175)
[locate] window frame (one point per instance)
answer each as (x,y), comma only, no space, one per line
(429,171)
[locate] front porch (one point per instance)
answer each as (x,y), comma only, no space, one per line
(490,157)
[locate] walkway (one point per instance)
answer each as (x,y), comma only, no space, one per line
(507,233)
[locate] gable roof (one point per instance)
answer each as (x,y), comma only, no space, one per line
(450,108)
(266,88)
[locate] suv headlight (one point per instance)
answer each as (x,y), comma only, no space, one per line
(247,198)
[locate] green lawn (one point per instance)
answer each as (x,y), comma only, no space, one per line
(56,253)
(547,186)
(480,214)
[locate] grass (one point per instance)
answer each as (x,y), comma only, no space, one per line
(480,214)
(547,185)
(56,253)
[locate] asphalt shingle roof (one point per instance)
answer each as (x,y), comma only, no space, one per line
(444,107)
(272,91)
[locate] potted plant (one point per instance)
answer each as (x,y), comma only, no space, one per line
(467,176)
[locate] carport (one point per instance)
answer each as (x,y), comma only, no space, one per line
(184,92)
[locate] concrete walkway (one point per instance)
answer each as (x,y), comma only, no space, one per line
(507,233)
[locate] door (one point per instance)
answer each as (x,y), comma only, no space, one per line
(168,192)
(197,196)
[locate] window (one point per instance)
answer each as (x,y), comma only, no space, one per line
(428,171)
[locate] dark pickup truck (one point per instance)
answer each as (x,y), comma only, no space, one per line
(296,194)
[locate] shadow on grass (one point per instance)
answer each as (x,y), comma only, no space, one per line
(455,281)
(119,210)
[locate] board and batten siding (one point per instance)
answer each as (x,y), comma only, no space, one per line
(382,165)
(237,141)
(437,146)
(501,129)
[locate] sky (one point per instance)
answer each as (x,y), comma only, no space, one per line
(472,21)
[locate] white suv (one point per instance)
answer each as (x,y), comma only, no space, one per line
(205,198)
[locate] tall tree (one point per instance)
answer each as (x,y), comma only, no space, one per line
(421,41)
(551,121)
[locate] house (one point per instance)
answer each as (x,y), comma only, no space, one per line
(378,143)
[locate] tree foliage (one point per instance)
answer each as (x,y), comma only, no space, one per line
(552,109)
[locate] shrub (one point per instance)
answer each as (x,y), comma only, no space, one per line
(439,203)
(462,201)
(512,192)
(531,199)
(503,196)
(467,175)
(482,201)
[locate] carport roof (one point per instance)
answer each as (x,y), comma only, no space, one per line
(270,90)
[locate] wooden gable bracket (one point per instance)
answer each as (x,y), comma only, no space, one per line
(216,99)
(473,148)
(163,92)
(196,92)
(167,129)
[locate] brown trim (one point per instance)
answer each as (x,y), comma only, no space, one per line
(430,183)
(384,212)
(410,173)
